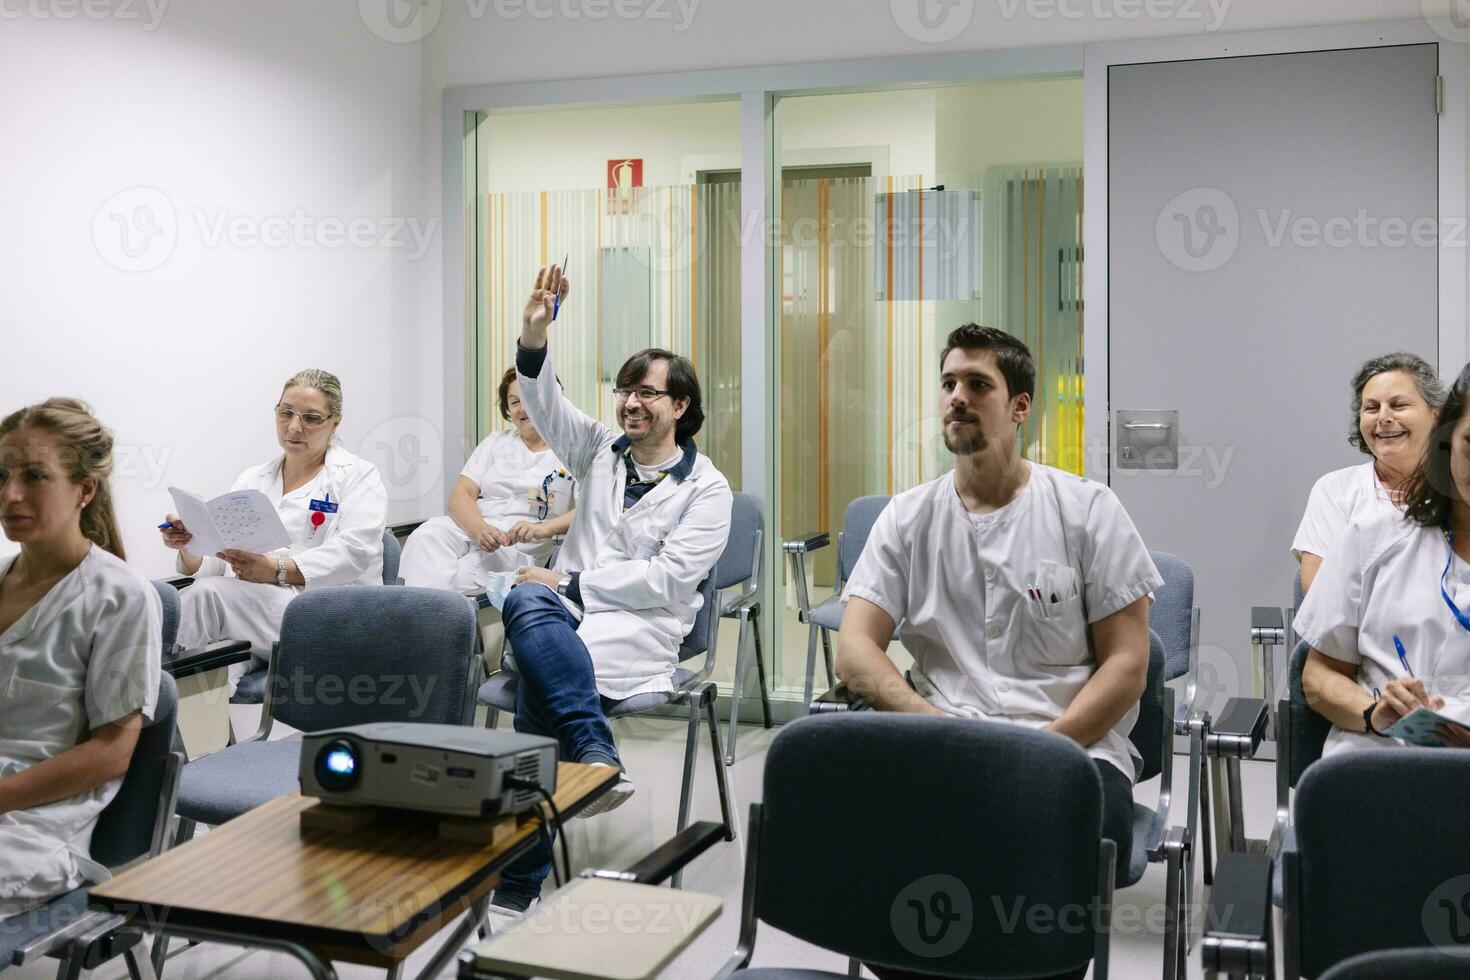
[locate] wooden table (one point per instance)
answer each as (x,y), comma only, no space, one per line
(371,896)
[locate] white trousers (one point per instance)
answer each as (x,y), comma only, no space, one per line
(438,555)
(225,608)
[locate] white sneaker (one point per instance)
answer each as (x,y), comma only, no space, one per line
(498,918)
(612,799)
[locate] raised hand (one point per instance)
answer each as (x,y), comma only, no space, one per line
(541,307)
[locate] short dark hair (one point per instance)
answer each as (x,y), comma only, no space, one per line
(1426,379)
(682,383)
(1429,494)
(1011,355)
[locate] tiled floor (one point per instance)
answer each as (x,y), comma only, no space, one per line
(653,752)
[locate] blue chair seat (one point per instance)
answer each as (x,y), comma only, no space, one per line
(499,692)
(828,615)
(223,785)
(251,689)
(27,927)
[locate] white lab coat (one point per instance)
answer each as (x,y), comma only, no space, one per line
(514,484)
(86,655)
(640,568)
(959,584)
(1380,579)
(1337,498)
(346,549)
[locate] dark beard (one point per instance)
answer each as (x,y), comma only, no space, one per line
(963,444)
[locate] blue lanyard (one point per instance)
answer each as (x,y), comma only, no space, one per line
(1460,617)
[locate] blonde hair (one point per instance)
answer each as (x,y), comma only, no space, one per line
(85,449)
(324,381)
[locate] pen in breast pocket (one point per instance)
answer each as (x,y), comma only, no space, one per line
(1403,657)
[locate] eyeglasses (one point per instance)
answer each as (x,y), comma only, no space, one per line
(309,419)
(645,394)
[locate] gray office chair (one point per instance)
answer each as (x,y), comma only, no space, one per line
(910,804)
(1420,964)
(691,687)
(857,523)
(417,647)
(1366,873)
(740,565)
(250,689)
(133,825)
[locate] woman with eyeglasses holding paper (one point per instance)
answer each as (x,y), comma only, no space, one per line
(1388,620)
(333,505)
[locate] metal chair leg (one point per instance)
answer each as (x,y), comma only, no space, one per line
(827,653)
(737,690)
(691,746)
(722,782)
(811,663)
(1206,836)
(760,663)
(70,967)
(1174,956)
(492,717)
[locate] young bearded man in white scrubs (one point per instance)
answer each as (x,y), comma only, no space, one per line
(1022,591)
(653,516)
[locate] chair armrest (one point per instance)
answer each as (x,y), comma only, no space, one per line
(801,544)
(221,653)
(660,864)
(1267,625)
(1239,730)
(1237,932)
(179,581)
(838,697)
(405,529)
(52,943)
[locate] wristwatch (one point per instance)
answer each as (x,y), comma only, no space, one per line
(563,585)
(281,572)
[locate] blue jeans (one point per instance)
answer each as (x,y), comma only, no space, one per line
(556,697)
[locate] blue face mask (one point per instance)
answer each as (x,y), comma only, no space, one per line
(498,586)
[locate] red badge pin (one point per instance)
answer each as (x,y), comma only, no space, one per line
(318,518)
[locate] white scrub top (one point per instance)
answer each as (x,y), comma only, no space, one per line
(1381,579)
(86,655)
(957,583)
(347,547)
(515,482)
(1337,498)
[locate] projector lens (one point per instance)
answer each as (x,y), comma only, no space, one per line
(337,765)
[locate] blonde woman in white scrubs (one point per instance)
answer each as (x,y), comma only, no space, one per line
(1398,580)
(333,505)
(510,501)
(80,638)
(1394,400)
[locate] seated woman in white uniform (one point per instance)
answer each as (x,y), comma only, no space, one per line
(1394,400)
(80,638)
(1387,621)
(512,498)
(333,505)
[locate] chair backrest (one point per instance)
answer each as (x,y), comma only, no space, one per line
(169,596)
(701,635)
(740,561)
(855,850)
(391,554)
(1296,589)
(1309,730)
(1383,856)
(354,654)
(857,524)
(1172,612)
(1427,963)
(126,827)
(1148,730)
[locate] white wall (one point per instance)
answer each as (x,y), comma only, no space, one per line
(1027,123)
(245,109)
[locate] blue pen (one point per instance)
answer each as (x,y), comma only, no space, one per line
(165,525)
(1403,657)
(556,302)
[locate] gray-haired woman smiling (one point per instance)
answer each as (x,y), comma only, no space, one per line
(1395,397)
